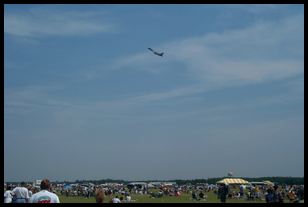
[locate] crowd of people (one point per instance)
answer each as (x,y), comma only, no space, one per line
(24,194)
(48,193)
(268,193)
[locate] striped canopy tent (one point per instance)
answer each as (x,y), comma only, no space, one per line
(239,181)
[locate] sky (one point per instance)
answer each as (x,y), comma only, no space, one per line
(85,99)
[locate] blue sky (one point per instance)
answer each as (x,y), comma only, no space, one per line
(85,99)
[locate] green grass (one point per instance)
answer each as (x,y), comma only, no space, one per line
(184,198)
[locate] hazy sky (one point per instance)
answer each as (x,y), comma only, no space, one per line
(85,99)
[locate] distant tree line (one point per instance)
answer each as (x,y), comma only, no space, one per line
(278,180)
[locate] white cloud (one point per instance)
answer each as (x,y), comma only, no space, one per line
(37,23)
(256,8)
(250,54)
(263,52)
(29,99)
(266,51)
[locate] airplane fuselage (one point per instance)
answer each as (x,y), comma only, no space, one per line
(156,53)
(159,54)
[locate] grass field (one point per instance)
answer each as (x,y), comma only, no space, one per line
(184,198)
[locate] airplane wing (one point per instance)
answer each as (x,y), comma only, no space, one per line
(159,54)
(156,53)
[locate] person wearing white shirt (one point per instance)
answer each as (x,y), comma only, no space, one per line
(44,196)
(128,198)
(116,200)
(7,195)
(30,191)
(20,194)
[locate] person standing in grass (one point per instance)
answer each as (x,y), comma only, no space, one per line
(194,195)
(223,191)
(241,190)
(21,194)
(201,195)
(269,198)
(128,198)
(277,195)
(116,200)
(99,195)
(29,190)
(7,195)
(45,195)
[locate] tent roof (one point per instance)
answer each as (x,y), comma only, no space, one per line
(267,182)
(233,181)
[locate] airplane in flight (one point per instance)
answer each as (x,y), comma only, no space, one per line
(156,53)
